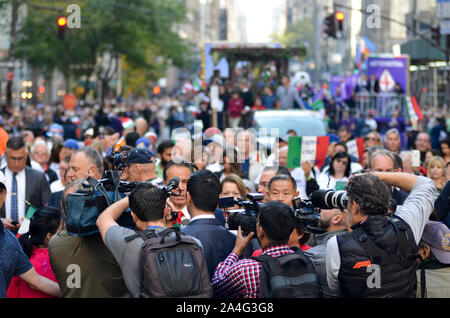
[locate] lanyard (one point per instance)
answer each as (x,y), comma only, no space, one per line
(152,227)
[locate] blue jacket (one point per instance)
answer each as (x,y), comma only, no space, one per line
(217,241)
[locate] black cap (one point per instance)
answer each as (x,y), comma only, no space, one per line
(140,155)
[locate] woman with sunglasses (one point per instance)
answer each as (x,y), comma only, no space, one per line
(338,174)
(372,139)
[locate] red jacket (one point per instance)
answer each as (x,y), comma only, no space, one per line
(235,107)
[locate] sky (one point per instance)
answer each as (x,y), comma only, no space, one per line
(259,14)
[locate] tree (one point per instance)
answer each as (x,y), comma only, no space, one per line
(297,35)
(110,30)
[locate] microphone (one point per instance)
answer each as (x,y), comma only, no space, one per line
(173,184)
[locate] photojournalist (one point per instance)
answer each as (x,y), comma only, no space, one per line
(378,257)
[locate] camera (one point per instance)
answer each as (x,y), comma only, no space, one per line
(119,159)
(246,217)
(306,214)
(329,199)
(93,197)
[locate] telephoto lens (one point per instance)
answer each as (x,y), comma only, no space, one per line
(329,199)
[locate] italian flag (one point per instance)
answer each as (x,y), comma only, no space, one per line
(26,221)
(301,149)
(127,123)
(413,109)
(356,148)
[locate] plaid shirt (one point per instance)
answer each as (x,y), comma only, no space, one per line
(240,278)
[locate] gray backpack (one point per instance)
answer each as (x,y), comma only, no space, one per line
(172,265)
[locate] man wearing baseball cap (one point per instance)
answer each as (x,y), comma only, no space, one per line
(141,166)
(433,274)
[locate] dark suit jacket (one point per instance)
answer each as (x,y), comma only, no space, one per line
(37,189)
(216,240)
(55,199)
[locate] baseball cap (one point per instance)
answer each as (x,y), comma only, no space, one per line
(140,155)
(71,144)
(55,129)
(142,143)
(437,236)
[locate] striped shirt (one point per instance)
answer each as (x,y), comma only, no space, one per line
(240,278)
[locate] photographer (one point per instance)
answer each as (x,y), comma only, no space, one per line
(389,244)
(140,166)
(246,277)
(147,203)
(99,273)
(333,222)
(85,162)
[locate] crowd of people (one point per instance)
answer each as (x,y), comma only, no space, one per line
(397,213)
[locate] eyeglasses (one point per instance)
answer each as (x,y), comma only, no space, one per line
(16,158)
(39,153)
(264,185)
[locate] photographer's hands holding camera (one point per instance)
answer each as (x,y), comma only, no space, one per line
(241,242)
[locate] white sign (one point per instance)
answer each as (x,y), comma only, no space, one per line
(386,81)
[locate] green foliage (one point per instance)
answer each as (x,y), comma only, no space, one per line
(296,35)
(108,28)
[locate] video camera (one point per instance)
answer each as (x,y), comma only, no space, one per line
(93,197)
(307,215)
(246,217)
(307,212)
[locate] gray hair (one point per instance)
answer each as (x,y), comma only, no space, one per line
(392,131)
(92,155)
(39,143)
(382,152)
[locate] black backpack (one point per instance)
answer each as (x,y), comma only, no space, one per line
(172,265)
(288,276)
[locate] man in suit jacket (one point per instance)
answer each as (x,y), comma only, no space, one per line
(23,184)
(203,188)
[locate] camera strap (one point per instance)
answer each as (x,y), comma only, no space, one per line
(380,256)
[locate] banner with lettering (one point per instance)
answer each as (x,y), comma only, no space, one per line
(310,148)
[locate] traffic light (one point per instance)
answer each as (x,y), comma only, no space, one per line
(436,34)
(329,25)
(62,24)
(340,21)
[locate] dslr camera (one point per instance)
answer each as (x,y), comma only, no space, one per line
(246,216)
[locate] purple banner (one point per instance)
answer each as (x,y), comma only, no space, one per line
(389,71)
(346,85)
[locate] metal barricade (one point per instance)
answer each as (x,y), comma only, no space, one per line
(380,105)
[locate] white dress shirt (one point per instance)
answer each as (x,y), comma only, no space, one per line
(21,188)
